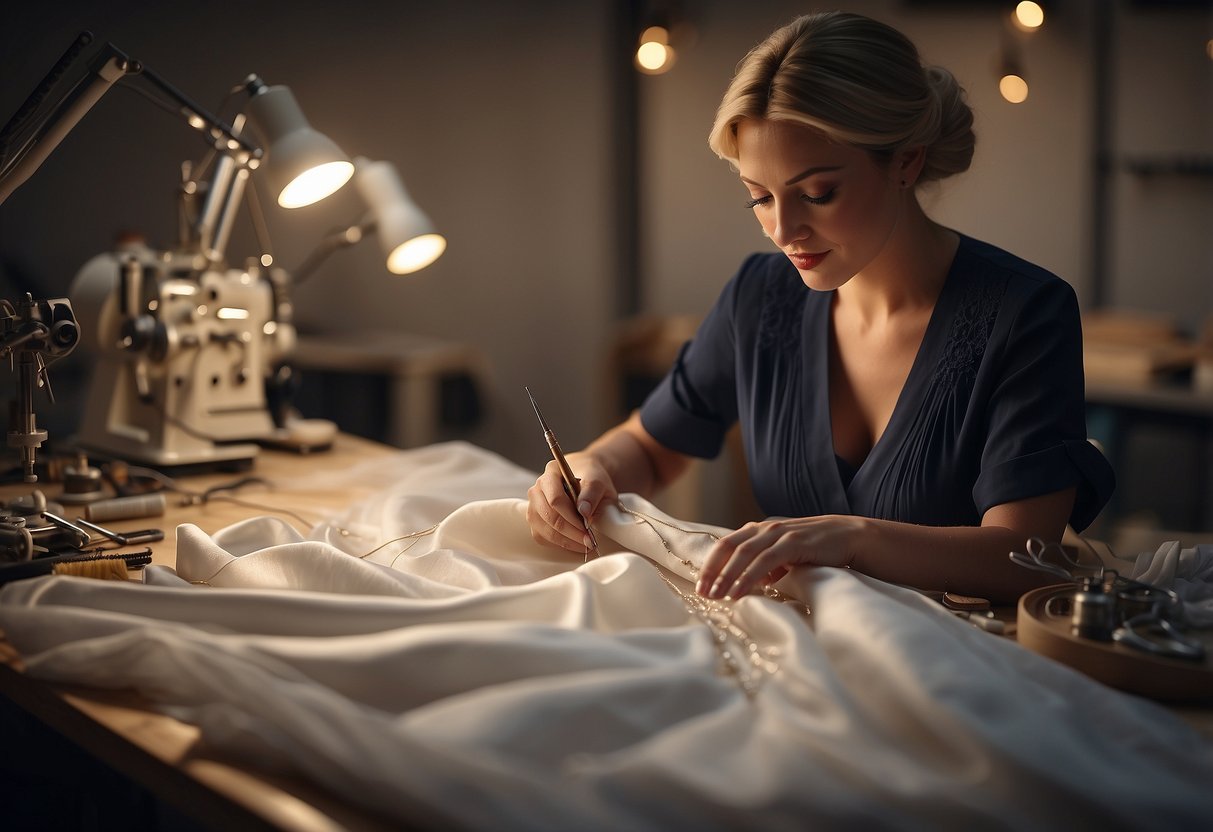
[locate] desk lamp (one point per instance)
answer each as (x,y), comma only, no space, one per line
(304,166)
(406,235)
(184,342)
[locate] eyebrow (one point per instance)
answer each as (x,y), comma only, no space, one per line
(802,175)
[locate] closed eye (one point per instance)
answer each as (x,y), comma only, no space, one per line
(812,200)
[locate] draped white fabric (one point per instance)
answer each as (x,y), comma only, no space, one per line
(464,677)
(1186,572)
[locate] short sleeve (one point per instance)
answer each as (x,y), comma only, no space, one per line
(1037,440)
(694,406)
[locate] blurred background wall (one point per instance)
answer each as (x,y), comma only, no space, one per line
(576,193)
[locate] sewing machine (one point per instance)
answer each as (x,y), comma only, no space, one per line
(185,348)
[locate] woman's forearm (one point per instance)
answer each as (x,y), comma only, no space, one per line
(635,461)
(970,560)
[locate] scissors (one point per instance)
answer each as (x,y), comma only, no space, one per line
(572,485)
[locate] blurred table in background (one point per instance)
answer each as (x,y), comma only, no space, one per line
(399,388)
(1149,390)
(1158,435)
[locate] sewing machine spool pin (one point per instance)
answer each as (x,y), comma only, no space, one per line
(34,334)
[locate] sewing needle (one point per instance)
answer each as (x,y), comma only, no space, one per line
(572,486)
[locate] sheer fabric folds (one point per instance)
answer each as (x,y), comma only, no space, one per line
(465,677)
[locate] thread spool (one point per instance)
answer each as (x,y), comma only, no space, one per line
(1094,614)
(81,483)
(125,508)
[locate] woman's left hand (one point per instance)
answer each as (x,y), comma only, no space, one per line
(761,553)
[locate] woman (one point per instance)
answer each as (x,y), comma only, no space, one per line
(910,399)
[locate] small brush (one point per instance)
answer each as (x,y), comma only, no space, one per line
(108,566)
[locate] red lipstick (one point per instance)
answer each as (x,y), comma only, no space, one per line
(804,261)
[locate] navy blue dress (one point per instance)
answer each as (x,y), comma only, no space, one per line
(992,411)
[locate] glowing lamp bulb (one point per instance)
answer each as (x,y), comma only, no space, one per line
(1013,88)
(654,55)
(416,253)
(315,184)
(1029,16)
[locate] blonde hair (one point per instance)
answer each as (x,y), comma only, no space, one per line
(859,82)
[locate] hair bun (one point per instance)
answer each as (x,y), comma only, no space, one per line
(951,151)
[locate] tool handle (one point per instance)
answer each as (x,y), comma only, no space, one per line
(572,484)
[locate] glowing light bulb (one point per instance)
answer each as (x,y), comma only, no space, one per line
(654,55)
(1029,16)
(416,254)
(315,184)
(1013,88)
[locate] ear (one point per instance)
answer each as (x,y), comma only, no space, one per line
(907,165)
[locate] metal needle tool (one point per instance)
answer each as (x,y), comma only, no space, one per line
(572,486)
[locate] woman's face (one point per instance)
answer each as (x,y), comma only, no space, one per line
(829,207)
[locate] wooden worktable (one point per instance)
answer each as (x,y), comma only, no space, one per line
(158,752)
(161,753)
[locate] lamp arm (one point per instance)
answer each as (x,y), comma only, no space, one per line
(260,228)
(222,133)
(108,67)
(35,98)
(341,238)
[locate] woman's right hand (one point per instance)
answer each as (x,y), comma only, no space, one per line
(553,518)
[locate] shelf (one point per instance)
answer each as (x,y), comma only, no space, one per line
(1169,165)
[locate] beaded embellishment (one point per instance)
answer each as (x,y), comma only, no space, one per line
(741,657)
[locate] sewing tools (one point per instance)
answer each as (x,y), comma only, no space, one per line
(101,565)
(572,485)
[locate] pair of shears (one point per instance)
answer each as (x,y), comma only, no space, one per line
(572,485)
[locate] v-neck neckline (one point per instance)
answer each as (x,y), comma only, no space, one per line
(819,322)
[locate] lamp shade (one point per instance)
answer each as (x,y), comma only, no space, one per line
(302,165)
(406,235)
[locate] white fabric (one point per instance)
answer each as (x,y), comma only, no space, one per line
(1188,572)
(471,679)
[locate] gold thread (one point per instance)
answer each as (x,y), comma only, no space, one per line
(728,637)
(420,534)
(729,640)
(649,520)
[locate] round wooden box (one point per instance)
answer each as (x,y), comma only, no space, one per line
(1046,631)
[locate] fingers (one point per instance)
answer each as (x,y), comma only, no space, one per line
(742,561)
(551,519)
(552,516)
(593,493)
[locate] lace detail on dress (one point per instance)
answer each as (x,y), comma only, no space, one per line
(782,310)
(970,333)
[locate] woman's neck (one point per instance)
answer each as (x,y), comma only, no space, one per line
(909,272)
